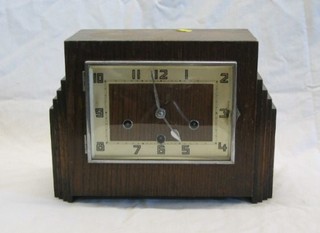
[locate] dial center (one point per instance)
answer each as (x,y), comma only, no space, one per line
(160,113)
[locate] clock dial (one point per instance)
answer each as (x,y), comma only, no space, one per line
(152,111)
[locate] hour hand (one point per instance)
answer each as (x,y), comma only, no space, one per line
(174,132)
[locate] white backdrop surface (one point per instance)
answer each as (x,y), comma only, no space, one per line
(32,64)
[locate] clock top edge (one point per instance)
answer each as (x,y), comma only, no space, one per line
(201,35)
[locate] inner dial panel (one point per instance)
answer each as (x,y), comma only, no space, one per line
(152,111)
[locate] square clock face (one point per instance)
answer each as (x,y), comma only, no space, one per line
(154,111)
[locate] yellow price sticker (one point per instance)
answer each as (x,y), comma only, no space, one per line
(184,30)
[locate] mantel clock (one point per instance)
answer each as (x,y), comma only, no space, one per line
(162,113)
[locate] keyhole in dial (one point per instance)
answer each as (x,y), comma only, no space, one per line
(127,124)
(194,124)
(161,138)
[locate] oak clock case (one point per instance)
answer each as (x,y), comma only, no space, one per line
(160,111)
(162,114)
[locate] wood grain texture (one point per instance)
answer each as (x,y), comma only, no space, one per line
(264,145)
(251,174)
(136,102)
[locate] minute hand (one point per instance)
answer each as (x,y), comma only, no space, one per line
(156,96)
(161,112)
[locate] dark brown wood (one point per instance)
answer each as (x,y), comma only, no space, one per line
(264,145)
(138,105)
(251,174)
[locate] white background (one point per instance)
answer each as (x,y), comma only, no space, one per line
(32,64)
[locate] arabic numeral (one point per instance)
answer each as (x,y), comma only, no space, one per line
(137,149)
(97,77)
(186,74)
(225,77)
(100,146)
(222,147)
(185,149)
(135,74)
(161,74)
(99,112)
(161,149)
(225,113)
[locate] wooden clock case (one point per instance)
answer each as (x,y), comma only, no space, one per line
(250,176)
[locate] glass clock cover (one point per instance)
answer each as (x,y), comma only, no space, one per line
(175,112)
